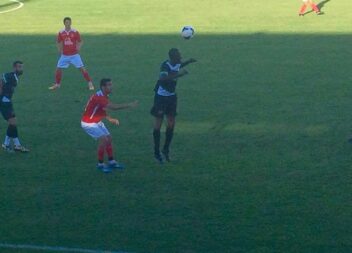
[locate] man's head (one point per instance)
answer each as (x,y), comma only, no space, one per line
(175,56)
(106,85)
(67,23)
(18,67)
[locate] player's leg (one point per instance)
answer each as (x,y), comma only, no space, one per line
(63,63)
(303,8)
(98,132)
(76,60)
(58,78)
(171,112)
(158,121)
(158,112)
(314,7)
(6,145)
(171,120)
(102,143)
(109,150)
(12,133)
(87,78)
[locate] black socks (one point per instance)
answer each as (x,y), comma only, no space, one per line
(12,131)
(156,135)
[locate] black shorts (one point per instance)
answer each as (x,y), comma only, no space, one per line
(7,110)
(164,105)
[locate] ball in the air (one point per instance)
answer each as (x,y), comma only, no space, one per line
(187,32)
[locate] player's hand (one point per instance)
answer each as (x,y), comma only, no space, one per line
(114,121)
(183,72)
(134,104)
(192,60)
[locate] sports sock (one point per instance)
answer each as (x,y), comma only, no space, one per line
(315,7)
(58,76)
(7,140)
(101,151)
(17,142)
(86,75)
(303,9)
(169,134)
(109,151)
(156,135)
(12,131)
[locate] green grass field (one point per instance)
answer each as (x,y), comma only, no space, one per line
(261,158)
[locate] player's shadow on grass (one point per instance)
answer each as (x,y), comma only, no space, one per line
(9,4)
(320,6)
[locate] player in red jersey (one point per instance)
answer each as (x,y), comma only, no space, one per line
(95,112)
(69,43)
(310,3)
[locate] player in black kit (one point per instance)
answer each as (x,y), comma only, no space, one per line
(8,82)
(165,100)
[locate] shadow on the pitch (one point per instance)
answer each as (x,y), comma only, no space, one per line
(257,113)
(320,6)
(9,4)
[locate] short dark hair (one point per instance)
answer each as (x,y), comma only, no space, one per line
(104,82)
(67,18)
(14,64)
(173,52)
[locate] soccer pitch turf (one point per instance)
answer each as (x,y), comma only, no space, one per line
(261,158)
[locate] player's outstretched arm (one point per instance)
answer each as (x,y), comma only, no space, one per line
(184,64)
(113,120)
(116,107)
(173,76)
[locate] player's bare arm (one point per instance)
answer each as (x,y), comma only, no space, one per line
(79,45)
(116,107)
(173,76)
(59,46)
(113,120)
(191,60)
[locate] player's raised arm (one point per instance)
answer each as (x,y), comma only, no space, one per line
(115,107)
(165,76)
(184,64)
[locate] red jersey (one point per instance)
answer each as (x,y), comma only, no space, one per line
(95,109)
(69,40)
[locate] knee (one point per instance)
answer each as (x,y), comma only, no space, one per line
(12,122)
(171,123)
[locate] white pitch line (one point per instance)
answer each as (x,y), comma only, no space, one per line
(20,5)
(54,248)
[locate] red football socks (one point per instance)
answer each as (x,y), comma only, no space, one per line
(303,9)
(315,8)
(58,76)
(109,150)
(101,151)
(86,75)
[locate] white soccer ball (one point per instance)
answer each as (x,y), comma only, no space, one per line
(187,32)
